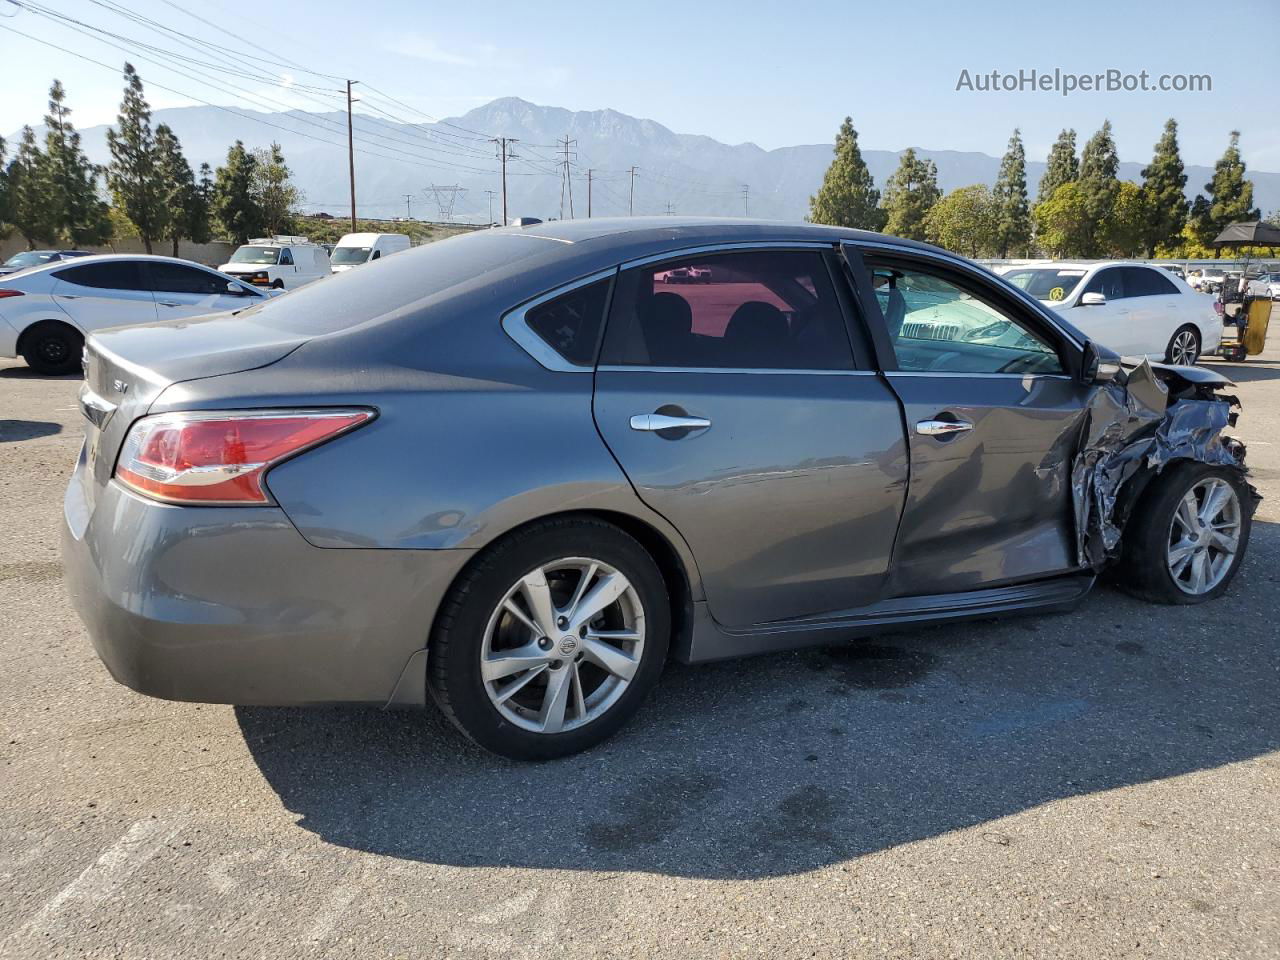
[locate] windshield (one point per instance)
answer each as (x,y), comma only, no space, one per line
(350,255)
(1046,283)
(256,255)
(30,258)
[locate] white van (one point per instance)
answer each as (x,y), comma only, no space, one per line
(357,248)
(283,263)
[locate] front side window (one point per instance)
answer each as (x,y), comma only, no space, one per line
(108,275)
(286,258)
(937,325)
(175,278)
(570,324)
(749,310)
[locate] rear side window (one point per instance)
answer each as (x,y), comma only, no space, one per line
(570,324)
(110,275)
(749,310)
(175,278)
(1144,282)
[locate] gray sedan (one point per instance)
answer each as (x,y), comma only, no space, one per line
(515,471)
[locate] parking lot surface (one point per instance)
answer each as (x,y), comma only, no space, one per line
(1102,783)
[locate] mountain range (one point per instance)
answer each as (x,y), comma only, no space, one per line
(675,172)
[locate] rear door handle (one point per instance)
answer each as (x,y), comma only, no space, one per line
(942,428)
(169,303)
(650,422)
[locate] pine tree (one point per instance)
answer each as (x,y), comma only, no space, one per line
(848,196)
(201,209)
(1063,166)
(277,195)
(1010,195)
(4,192)
(235,202)
(1164,183)
(178,185)
(76,211)
(29,194)
(1099,185)
(1230,197)
(134,175)
(909,195)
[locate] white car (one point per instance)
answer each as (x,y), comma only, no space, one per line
(282,263)
(357,248)
(1206,279)
(45,312)
(1270,285)
(1135,309)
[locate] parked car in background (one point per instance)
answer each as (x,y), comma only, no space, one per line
(1134,309)
(357,248)
(1270,285)
(36,258)
(45,312)
(1176,270)
(284,263)
(514,471)
(1206,279)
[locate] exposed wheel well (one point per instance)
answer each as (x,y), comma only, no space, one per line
(664,555)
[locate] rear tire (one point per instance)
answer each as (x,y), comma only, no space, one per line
(1184,347)
(496,662)
(51,347)
(1165,540)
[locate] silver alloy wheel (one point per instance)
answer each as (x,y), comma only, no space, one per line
(1204,536)
(1184,350)
(563,645)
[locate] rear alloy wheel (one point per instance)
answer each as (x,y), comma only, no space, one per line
(549,643)
(1184,348)
(51,347)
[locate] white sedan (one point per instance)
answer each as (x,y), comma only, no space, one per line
(1135,309)
(46,312)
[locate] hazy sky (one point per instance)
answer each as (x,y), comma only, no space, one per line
(772,73)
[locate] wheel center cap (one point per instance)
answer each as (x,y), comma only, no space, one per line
(568,644)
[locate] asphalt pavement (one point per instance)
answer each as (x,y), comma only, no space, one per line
(1103,783)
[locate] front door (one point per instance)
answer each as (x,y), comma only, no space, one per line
(994,418)
(183,291)
(729,392)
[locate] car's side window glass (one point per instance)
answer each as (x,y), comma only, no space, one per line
(939,326)
(570,324)
(1145,282)
(175,278)
(1109,283)
(286,258)
(108,275)
(759,309)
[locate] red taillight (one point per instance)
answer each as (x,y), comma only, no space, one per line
(9,292)
(221,458)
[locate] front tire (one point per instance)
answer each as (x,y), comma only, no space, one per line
(1184,347)
(52,348)
(1188,534)
(548,644)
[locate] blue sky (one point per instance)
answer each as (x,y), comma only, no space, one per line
(771,73)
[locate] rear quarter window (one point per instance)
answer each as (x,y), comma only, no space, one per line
(571,323)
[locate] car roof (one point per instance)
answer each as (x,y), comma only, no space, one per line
(108,258)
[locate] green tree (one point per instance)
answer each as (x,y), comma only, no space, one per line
(1164,182)
(178,185)
(30,203)
(76,211)
(1010,193)
(1230,197)
(1061,222)
(1063,167)
(966,221)
(235,200)
(134,174)
(278,196)
(1125,228)
(200,212)
(5,226)
(909,195)
(848,196)
(1099,184)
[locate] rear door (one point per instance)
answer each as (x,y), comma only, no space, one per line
(729,391)
(106,293)
(188,291)
(993,415)
(1156,309)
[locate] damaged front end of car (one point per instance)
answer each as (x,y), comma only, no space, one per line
(1138,420)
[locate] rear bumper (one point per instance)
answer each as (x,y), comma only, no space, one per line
(8,339)
(232,605)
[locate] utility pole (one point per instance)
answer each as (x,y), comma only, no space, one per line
(505,153)
(588,193)
(408,206)
(746,200)
(631,200)
(566,183)
(351,153)
(490,194)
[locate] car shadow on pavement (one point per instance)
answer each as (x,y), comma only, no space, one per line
(14,430)
(784,764)
(1249,371)
(26,373)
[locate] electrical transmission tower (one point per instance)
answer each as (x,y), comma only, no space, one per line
(566,179)
(446,196)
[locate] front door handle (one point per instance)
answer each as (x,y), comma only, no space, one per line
(942,428)
(651,422)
